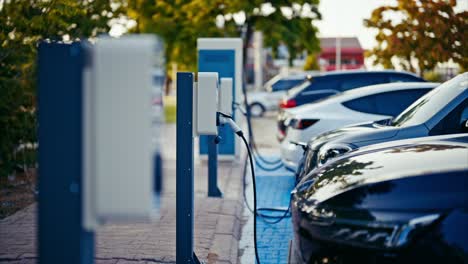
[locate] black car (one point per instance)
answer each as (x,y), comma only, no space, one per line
(442,111)
(330,83)
(397,202)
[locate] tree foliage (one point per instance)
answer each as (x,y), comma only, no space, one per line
(418,34)
(181,22)
(23,23)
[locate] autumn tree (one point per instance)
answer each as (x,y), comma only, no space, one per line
(23,23)
(311,63)
(418,34)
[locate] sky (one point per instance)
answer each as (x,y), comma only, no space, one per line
(344,18)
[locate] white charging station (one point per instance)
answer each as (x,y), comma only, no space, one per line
(223,56)
(207,103)
(211,96)
(118,152)
(225,96)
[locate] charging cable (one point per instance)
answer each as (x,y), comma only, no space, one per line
(228,120)
(257,155)
(225,119)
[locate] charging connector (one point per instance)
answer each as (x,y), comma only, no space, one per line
(225,119)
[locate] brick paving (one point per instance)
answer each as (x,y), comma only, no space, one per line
(273,190)
(273,239)
(217,223)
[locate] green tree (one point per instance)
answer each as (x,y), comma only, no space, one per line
(418,34)
(181,22)
(289,22)
(23,23)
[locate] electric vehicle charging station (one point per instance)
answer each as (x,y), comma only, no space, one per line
(224,56)
(200,105)
(95,152)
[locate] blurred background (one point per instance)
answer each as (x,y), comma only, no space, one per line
(425,37)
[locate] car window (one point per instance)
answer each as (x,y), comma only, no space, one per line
(393,103)
(283,85)
(360,81)
(322,84)
(387,103)
(366,104)
(298,88)
(403,78)
(316,96)
(464,115)
(432,102)
(451,124)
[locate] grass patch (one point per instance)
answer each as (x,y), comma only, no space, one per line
(170,109)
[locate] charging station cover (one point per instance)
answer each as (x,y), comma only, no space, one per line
(207,103)
(120,129)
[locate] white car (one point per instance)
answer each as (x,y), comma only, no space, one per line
(370,103)
(274,90)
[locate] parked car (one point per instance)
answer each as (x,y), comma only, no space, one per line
(274,90)
(331,83)
(442,111)
(370,103)
(404,202)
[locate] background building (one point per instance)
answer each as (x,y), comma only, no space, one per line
(341,54)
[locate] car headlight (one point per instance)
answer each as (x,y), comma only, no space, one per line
(332,151)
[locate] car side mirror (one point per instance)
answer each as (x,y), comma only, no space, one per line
(464,126)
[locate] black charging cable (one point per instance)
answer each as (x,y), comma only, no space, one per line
(257,155)
(226,119)
(240,134)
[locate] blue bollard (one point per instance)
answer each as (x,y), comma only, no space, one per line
(62,238)
(184,170)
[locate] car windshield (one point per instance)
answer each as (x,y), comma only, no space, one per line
(431,103)
(298,88)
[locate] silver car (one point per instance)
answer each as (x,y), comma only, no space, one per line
(274,90)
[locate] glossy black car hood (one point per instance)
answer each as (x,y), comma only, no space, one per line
(404,177)
(368,131)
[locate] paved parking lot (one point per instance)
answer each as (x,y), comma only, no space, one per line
(217,223)
(273,191)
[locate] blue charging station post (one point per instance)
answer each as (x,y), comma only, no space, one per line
(62,238)
(213,190)
(184,171)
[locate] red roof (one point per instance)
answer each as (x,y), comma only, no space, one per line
(348,45)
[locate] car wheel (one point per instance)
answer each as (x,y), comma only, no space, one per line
(257,110)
